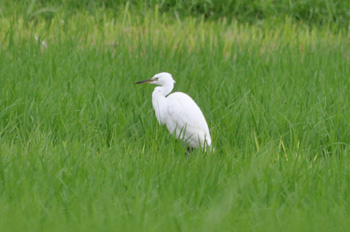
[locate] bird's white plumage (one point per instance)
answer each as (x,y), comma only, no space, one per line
(179,112)
(187,119)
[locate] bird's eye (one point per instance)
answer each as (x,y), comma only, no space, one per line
(157,78)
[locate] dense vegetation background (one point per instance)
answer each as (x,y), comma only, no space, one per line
(81,150)
(309,12)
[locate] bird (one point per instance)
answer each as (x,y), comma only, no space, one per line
(179,112)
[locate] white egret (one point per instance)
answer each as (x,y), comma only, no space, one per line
(178,112)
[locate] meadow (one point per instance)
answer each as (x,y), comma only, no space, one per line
(81,149)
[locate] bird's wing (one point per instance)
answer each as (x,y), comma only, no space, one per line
(185,116)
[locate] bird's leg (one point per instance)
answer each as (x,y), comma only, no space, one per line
(188,150)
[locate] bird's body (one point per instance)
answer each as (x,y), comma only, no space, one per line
(179,112)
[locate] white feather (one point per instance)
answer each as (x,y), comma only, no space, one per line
(179,112)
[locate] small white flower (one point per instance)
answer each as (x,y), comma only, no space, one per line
(44,44)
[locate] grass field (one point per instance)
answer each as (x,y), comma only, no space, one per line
(81,150)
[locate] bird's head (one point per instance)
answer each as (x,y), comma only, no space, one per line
(162,78)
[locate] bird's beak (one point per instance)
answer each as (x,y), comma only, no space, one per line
(145,81)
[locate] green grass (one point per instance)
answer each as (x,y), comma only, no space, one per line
(81,150)
(326,13)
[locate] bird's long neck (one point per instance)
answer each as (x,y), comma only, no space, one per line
(165,89)
(159,100)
